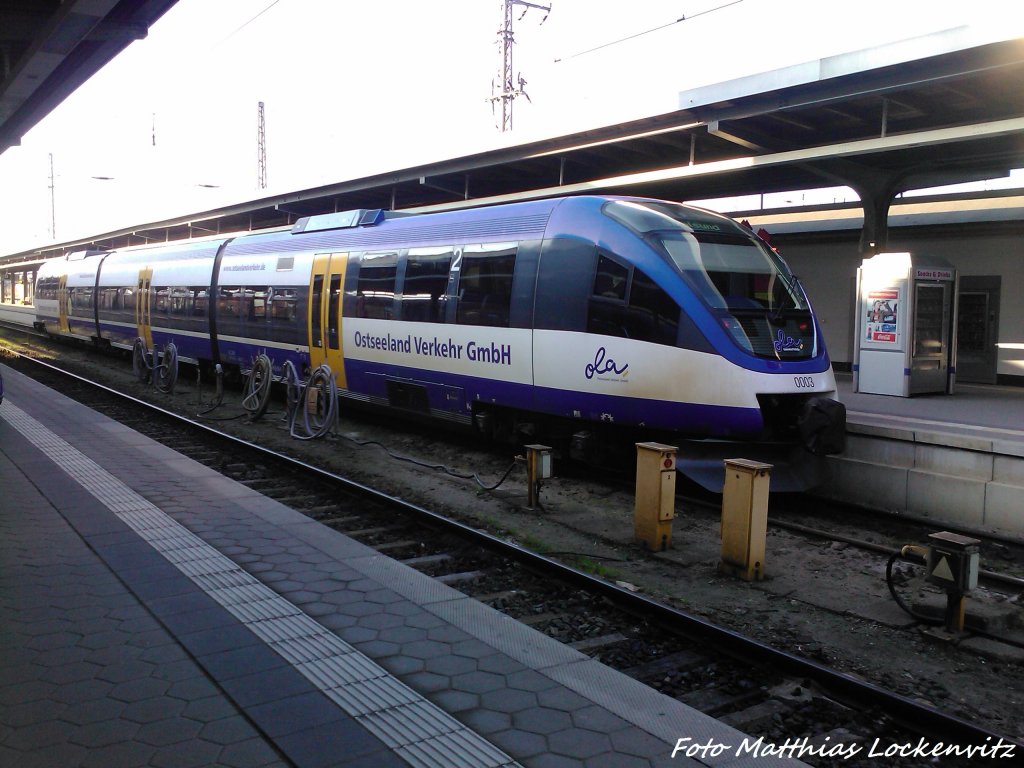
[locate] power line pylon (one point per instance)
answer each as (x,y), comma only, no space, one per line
(261,151)
(504,90)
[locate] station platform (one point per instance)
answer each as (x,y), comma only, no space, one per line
(956,459)
(155,613)
(989,413)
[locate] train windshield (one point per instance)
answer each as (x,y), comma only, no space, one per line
(759,301)
(731,272)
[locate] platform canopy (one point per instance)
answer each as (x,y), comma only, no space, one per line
(50,47)
(944,108)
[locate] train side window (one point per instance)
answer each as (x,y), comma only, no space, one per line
(106,298)
(375,290)
(48,288)
(127,298)
(426,282)
(180,301)
(81,301)
(162,303)
(282,305)
(258,303)
(200,300)
(485,285)
(229,301)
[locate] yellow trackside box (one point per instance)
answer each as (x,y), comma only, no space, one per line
(745,518)
(655,495)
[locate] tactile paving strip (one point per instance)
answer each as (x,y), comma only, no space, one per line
(418,731)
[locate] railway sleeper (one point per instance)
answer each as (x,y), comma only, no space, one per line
(375,531)
(258,483)
(758,717)
(496,597)
(296,502)
(536,619)
(338,521)
(597,643)
(320,509)
(680,661)
(456,578)
(715,700)
(427,560)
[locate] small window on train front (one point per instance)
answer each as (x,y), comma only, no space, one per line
(652,314)
(426,283)
(610,280)
(606,309)
(375,291)
(485,285)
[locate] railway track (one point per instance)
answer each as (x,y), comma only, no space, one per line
(759,689)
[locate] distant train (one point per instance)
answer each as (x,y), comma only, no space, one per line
(560,317)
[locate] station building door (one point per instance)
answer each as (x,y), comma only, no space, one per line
(977,329)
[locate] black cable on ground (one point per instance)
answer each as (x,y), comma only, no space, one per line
(899,600)
(430,465)
(218,399)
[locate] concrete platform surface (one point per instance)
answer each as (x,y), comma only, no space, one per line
(973,410)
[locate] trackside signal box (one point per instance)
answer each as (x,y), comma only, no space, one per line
(745,518)
(906,325)
(655,505)
(952,563)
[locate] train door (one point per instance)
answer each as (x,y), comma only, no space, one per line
(326,285)
(143,314)
(62,304)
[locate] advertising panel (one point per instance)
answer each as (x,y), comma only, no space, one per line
(881,308)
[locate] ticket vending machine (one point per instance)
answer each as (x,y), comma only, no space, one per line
(906,325)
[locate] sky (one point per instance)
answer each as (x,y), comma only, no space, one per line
(352,88)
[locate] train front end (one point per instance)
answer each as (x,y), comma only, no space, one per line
(773,384)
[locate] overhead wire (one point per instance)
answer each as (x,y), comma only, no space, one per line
(647,31)
(250,21)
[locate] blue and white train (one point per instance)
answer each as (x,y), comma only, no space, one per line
(561,317)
